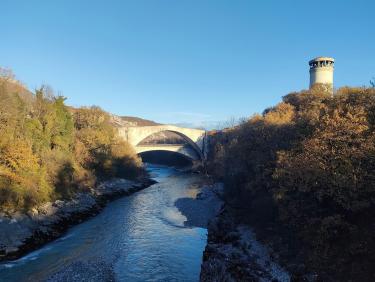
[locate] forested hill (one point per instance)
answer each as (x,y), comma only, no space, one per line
(304,173)
(49,151)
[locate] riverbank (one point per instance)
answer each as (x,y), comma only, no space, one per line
(234,254)
(22,233)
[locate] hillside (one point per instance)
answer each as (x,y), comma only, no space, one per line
(120,121)
(50,151)
(303,174)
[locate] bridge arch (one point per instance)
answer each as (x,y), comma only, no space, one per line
(194,137)
(171,147)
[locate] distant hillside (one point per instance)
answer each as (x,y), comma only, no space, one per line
(131,121)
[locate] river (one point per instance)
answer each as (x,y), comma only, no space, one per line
(141,237)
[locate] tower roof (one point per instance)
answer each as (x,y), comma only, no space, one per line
(319,59)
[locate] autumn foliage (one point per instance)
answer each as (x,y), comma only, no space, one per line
(307,166)
(48,151)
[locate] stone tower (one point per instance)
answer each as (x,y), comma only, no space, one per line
(321,71)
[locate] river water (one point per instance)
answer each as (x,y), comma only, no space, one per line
(137,238)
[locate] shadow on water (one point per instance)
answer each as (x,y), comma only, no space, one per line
(166,158)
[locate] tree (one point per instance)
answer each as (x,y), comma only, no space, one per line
(49,151)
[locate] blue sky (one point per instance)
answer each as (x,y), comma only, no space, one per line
(177,61)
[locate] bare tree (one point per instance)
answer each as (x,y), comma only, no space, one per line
(7,73)
(229,123)
(372,82)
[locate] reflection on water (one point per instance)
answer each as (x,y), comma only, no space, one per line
(140,237)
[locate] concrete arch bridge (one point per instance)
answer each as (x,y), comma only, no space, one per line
(194,149)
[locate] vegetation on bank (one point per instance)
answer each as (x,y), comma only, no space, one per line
(49,151)
(306,170)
